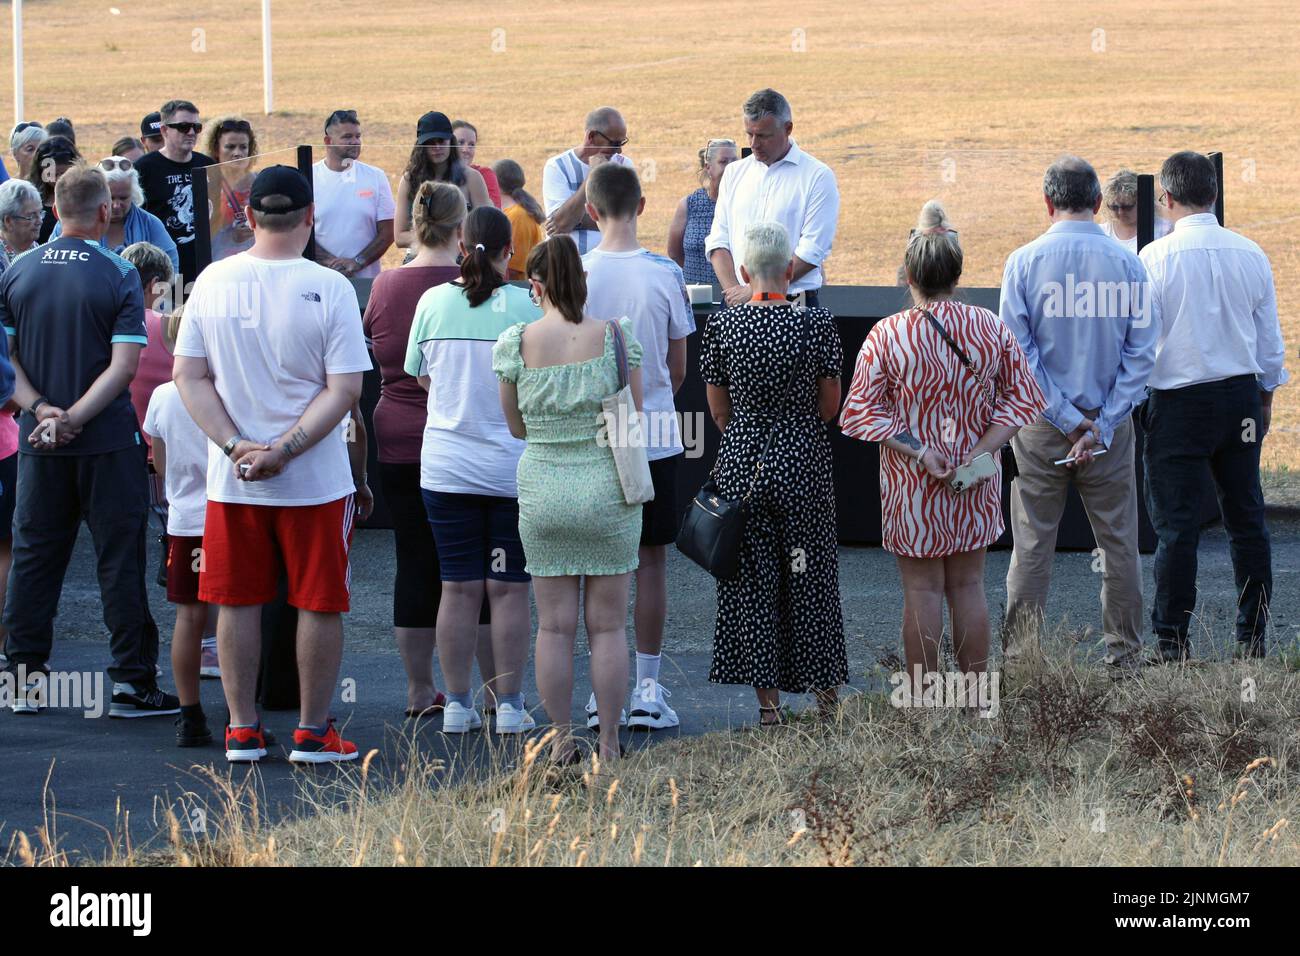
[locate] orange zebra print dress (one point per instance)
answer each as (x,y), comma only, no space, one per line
(908,378)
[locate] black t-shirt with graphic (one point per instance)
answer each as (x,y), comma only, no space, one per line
(169,195)
(64,305)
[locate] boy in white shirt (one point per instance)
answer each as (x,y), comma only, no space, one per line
(180,454)
(624,279)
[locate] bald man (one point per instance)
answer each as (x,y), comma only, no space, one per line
(564,180)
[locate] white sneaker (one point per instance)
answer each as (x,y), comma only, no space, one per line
(512,720)
(457,719)
(593,718)
(29,698)
(648,710)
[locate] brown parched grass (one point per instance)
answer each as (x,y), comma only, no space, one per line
(1192,765)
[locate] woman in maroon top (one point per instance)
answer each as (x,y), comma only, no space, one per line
(399,423)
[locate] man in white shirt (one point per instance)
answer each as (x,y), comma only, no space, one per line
(564,179)
(777,182)
(625,280)
(269,364)
(354,202)
(1219,358)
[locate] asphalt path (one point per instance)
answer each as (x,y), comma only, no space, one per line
(94,782)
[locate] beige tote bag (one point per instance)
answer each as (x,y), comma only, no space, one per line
(623,432)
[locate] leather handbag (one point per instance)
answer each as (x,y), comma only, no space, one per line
(714,527)
(622,432)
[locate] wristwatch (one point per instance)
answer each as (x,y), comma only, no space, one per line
(361,263)
(41,400)
(229,446)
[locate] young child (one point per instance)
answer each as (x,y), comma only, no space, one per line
(180,456)
(625,280)
(525,214)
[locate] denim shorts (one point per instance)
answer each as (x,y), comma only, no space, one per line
(477,536)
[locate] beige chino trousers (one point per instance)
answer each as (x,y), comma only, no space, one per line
(1108,488)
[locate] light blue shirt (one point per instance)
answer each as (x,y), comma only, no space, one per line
(140,225)
(1080,306)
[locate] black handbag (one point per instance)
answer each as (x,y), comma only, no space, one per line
(714,526)
(1008,456)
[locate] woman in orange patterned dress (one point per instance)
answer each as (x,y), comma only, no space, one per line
(933,410)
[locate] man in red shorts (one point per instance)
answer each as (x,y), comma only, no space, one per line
(269,363)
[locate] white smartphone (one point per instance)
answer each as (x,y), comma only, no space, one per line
(1071,459)
(982,467)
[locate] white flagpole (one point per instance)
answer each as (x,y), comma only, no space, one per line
(266,56)
(18,61)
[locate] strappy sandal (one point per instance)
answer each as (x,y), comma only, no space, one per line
(777,710)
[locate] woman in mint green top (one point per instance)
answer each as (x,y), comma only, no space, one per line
(573,518)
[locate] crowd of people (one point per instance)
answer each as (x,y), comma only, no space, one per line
(228,400)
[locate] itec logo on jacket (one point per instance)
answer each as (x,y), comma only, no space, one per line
(65,255)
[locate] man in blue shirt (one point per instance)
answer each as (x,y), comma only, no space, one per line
(73,314)
(1079,304)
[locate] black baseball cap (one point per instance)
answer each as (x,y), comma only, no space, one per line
(280,181)
(432,125)
(151,126)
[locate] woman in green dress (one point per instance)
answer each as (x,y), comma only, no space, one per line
(573,518)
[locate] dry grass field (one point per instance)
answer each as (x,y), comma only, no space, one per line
(907,99)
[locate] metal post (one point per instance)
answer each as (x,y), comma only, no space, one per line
(1146,202)
(18,61)
(1217,159)
(202,222)
(266,57)
(304,167)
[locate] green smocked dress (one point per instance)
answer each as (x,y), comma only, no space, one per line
(573,518)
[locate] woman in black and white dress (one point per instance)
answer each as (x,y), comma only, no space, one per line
(780,626)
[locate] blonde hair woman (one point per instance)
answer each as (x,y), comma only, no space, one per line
(693,217)
(937,386)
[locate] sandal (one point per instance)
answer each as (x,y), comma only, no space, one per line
(777,721)
(439,702)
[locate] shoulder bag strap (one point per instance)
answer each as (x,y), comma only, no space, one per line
(620,354)
(961,353)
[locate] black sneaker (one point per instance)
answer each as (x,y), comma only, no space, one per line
(1248,649)
(142,700)
(1170,653)
(192,732)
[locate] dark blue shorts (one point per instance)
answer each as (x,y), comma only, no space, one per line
(477,536)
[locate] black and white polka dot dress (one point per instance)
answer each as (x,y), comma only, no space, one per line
(779,619)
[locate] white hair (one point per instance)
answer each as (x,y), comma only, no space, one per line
(767,250)
(21,137)
(118,175)
(14,194)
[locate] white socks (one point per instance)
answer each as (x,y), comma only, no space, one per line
(647,666)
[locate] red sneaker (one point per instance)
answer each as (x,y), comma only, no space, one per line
(329,748)
(245,744)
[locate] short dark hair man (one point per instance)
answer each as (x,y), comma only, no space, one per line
(354,202)
(74,315)
(1219,358)
(287,496)
(151,132)
(166,176)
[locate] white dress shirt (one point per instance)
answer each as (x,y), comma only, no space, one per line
(1213,290)
(797,191)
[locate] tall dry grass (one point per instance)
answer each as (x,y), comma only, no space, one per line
(1192,765)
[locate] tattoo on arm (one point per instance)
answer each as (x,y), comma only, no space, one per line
(295,443)
(905,437)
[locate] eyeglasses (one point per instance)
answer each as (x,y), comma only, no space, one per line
(116,162)
(342,116)
(33,219)
(617,144)
(185,127)
(1121,207)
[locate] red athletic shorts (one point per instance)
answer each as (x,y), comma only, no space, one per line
(248,547)
(184,561)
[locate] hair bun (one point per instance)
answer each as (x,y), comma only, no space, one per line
(933,218)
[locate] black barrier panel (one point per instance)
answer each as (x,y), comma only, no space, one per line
(856,463)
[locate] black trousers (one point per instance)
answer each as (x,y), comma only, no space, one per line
(55,494)
(1211,427)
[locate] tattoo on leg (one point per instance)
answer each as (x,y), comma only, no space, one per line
(295,443)
(905,437)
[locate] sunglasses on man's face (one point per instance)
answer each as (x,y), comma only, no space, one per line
(185,127)
(116,162)
(617,144)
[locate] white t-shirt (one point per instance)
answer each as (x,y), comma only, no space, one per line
(271,329)
(187,460)
(467,448)
(1163,228)
(561,177)
(650,291)
(349,205)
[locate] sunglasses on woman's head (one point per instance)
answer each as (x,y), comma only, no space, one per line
(235,126)
(185,127)
(22,126)
(116,162)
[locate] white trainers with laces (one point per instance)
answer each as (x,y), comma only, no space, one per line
(593,718)
(513,720)
(458,719)
(648,710)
